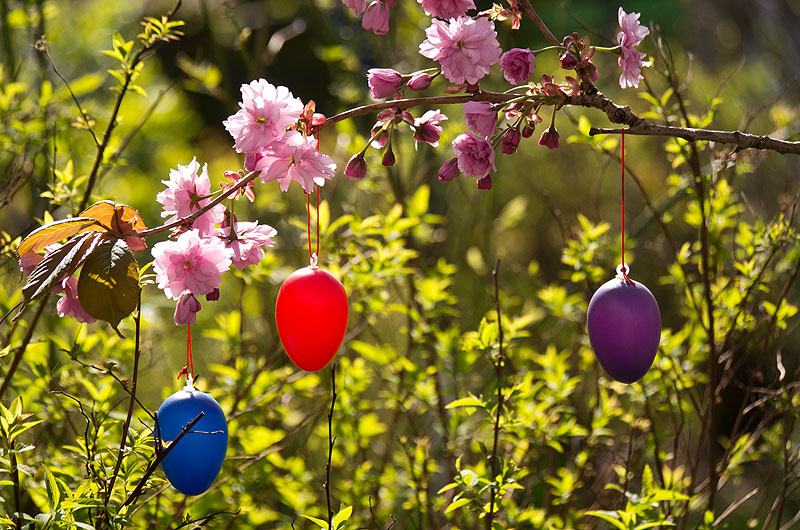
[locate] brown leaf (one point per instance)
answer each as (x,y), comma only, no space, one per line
(58,265)
(108,287)
(56,231)
(110,214)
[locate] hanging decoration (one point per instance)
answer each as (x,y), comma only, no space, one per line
(311,310)
(623,319)
(196,460)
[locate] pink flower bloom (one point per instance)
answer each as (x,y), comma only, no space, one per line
(446,9)
(376,18)
(630,60)
(449,170)
(356,167)
(234,177)
(419,81)
(511,141)
(384,82)
(632,33)
(356,5)
(29,261)
(517,65)
(296,157)
(549,138)
(465,47)
(475,155)
(426,128)
(192,264)
(480,116)
(246,249)
(187,191)
(186,309)
(69,305)
(266,111)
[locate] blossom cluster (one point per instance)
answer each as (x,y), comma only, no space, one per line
(466,48)
(192,265)
(264,129)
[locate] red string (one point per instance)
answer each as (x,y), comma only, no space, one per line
(622,214)
(308,223)
(189,360)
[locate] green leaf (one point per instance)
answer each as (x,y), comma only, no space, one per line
(456,504)
(342,517)
(108,288)
(466,402)
(653,524)
(318,522)
(607,516)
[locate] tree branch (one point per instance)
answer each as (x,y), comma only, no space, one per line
(331,441)
(159,457)
(131,403)
(499,371)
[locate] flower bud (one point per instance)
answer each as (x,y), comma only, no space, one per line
(549,138)
(388,157)
(419,81)
(511,141)
(485,183)
(449,170)
(356,167)
(568,61)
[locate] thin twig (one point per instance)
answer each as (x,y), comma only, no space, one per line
(159,457)
(498,366)
(331,441)
(131,402)
(528,11)
(112,122)
(20,351)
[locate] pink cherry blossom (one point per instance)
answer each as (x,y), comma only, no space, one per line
(187,191)
(475,155)
(632,33)
(376,17)
(192,264)
(266,111)
(29,261)
(517,65)
(296,158)
(446,9)
(426,128)
(384,82)
(246,249)
(186,309)
(356,5)
(480,116)
(630,60)
(466,48)
(69,305)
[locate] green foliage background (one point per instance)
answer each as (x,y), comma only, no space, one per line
(416,377)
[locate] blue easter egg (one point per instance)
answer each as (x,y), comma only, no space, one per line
(193,464)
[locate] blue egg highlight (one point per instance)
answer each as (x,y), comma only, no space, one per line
(195,461)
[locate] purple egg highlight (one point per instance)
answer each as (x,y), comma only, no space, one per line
(624,326)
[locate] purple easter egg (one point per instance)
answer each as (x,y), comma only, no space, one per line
(624,326)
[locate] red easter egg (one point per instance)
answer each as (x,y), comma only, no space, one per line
(311,312)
